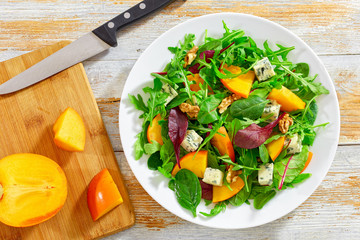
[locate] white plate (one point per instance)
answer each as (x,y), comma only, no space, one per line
(154,59)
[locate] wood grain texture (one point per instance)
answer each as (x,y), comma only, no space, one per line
(330,27)
(332,210)
(26,120)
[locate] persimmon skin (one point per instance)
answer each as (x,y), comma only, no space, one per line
(275,147)
(222,193)
(69,130)
(240,85)
(103,195)
(288,100)
(34,189)
(154,131)
(307,161)
(223,143)
(197,165)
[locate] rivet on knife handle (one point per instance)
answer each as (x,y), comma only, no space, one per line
(107,32)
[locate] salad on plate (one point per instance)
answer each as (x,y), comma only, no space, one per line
(228,121)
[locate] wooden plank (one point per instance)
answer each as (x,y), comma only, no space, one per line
(333,209)
(329,27)
(26,126)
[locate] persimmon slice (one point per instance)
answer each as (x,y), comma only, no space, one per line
(154,130)
(103,195)
(33,189)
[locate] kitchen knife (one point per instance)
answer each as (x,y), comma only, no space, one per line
(90,44)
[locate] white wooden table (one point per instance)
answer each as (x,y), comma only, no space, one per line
(331,28)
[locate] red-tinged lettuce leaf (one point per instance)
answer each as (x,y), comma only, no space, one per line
(160,73)
(254,135)
(224,49)
(207,55)
(178,124)
(195,68)
(206,190)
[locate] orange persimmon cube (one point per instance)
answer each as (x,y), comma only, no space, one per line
(288,100)
(103,195)
(240,85)
(69,130)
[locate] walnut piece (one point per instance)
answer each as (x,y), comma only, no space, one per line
(232,176)
(285,123)
(190,56)
(226,102)
(191,110)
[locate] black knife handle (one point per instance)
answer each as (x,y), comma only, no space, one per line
(107,31)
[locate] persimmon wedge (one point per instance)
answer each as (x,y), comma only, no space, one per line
(197,165)
(223,143)
(103,195)
(69,130)
(154,130)
(33,188)
(222,193)
(275,147)
(288,100)
(240,85)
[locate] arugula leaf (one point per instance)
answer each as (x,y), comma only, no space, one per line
(218,208)
(187,190)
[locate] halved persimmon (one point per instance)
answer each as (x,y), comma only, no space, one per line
(33,188)
(240,85)
(223,143)
(154,130)
(103,195)
(197,165)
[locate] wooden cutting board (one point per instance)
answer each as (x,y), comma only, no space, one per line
(26,120)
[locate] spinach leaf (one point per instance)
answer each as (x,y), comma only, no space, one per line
(187,190)
(179,99)
(208,109)
(251,107)
(218,208)
(302,68)
(264,154)
(154,161)
(262,198)
(243,194)
(311,113)
(309,137)
(288,168)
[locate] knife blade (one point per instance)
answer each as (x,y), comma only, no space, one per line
(92,43)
